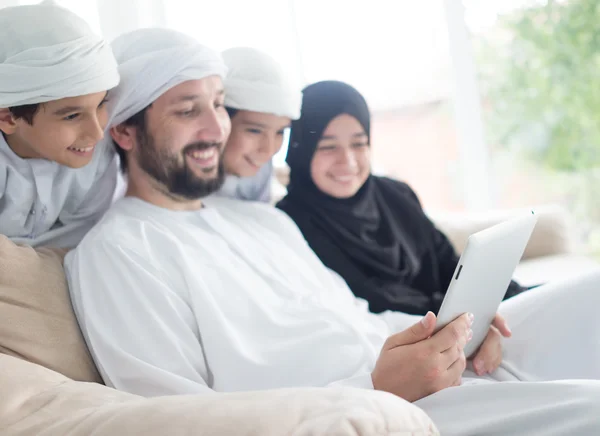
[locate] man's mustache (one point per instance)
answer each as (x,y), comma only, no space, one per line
(201,146)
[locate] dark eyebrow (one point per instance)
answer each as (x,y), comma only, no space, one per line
(189,97)
(193,97)
(356,135)
(252,123)
(68,109)
(264,126)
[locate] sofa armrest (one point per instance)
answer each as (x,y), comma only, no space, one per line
(552,235)
(35,401)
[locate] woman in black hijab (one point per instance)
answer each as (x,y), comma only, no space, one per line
(371,230)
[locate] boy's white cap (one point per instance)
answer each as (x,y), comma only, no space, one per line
(48,53)
(257,83)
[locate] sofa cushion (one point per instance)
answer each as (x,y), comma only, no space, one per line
(559,267)
(35,401)
(37,320)
(553,233)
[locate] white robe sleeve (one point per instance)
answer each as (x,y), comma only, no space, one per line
(74,224)
(140,332)
(396,321)
(361,381)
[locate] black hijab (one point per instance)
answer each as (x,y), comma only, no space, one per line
(380,241)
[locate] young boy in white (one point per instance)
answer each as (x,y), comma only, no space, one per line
(54,76)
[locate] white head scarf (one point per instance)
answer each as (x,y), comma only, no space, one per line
(257,83)
(48,53)
(152,61)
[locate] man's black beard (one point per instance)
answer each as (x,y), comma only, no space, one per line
(179,179)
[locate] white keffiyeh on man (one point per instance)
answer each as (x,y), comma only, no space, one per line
(152,61)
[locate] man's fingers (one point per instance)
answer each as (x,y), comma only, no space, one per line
(416,333)
(493,366)
(450,356)
(489,356)
(500,323)
(454,332)
(494,362)
(455,352)
(455,372)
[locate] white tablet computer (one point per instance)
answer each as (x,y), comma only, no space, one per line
(483,274)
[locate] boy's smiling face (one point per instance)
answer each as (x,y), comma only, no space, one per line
(65,131)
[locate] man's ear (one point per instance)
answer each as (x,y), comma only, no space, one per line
(8,123)
(124,135)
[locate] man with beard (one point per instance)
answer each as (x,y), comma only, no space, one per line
(180,101)
(176,295)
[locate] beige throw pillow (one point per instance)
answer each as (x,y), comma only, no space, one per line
(37,322)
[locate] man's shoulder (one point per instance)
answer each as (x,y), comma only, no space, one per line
(121,224)
(235,207)
(261,215)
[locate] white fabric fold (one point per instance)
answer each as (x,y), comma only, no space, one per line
(152,61)
(48,53)
(256,82)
